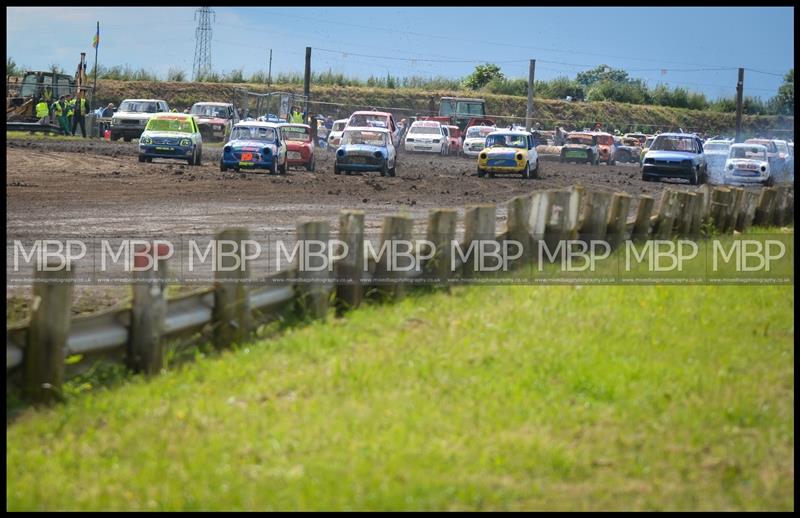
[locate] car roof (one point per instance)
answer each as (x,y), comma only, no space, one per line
(144,100)
(258,124)
(367,128)
(368,112)
(171,116)
(293,125)
(684,135)
(744,144)
(719,141)
(211,103)
(341,120)
(508,132)
(427,123)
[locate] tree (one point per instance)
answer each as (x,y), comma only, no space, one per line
(784,101)
(482,75)
(602,73)
(12,69)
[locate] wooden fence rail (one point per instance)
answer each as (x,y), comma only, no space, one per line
(36,350)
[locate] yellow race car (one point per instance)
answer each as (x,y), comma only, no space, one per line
(509,151)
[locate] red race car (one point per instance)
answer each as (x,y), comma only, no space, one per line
(299,146)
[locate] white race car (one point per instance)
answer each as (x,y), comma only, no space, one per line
(475,139)
(426,137)
(747,164)
(335,135)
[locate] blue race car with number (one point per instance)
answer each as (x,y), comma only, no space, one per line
(171,135)
(254,145)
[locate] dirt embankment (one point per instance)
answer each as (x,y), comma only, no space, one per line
(341,101)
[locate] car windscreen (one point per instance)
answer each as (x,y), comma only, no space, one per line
(425,130)
(339,126)
(518,141)
(783,147)
(374,121)
(138,107)
(217,112)
(668,143)
(181,125)
(469,108)
(748,152)
(296,133)
(605,140)
(253,133)
(582,140)
(478,132)
(716,147)
(372,138)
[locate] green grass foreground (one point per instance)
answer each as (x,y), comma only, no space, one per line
(555,397)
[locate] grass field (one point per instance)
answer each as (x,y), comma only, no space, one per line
(650,397)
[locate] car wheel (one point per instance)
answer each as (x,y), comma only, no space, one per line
(612,162)
(491,174)
(770,181)
(481,173)
(562,159)
(191,159)
(646,178)
(526,173)
(536,170)
(385,169)
(310,166)
(222,167)
(282,169)
(273,168)
(149,160)
(695,178)
(336,170)
(199,159)
(141,158)
(127,139)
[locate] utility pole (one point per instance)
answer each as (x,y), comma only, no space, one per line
(529,113)
(202,47)
(739,91)
(307,81)
(269,74)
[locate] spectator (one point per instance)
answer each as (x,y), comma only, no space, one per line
(108,111)
(60,111)
(43,112)
(80,109)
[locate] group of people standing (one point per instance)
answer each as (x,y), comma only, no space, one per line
(69,112)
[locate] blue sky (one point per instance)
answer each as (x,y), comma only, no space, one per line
(668,45)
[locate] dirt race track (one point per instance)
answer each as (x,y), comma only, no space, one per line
(73,189)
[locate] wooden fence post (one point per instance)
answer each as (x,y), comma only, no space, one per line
(618,218)
(595,220)
(441,232)
(48,333)
(479,225)
(350,269)
(557,223)
(765,206)
(721,199)
(519,212)
(313,291)
(737,195)
(781,202)
(148,311)
(667,211)
(748,210)
(641,228)
(231,314)
(389,274)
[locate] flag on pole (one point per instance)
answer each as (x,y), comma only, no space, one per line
(96,39)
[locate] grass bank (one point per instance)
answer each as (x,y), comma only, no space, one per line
(648,397)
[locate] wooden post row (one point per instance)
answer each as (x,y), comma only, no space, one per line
(231,316)
(43,373)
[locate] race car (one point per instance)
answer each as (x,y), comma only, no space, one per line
(299,147)
(628,150)
(748,164)
(580,147)
(366,149)
(171,135)
(335,135)
(475,139)
(509,152)
(426,137)
(215,120)
(254,145)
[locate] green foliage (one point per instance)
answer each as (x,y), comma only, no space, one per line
(560,88)
(234,76)
(482,76)
(605,90)
(601,73)
(503,86)
(55,68)
(126,73)
(176,74)
(12,69)
(783,103)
